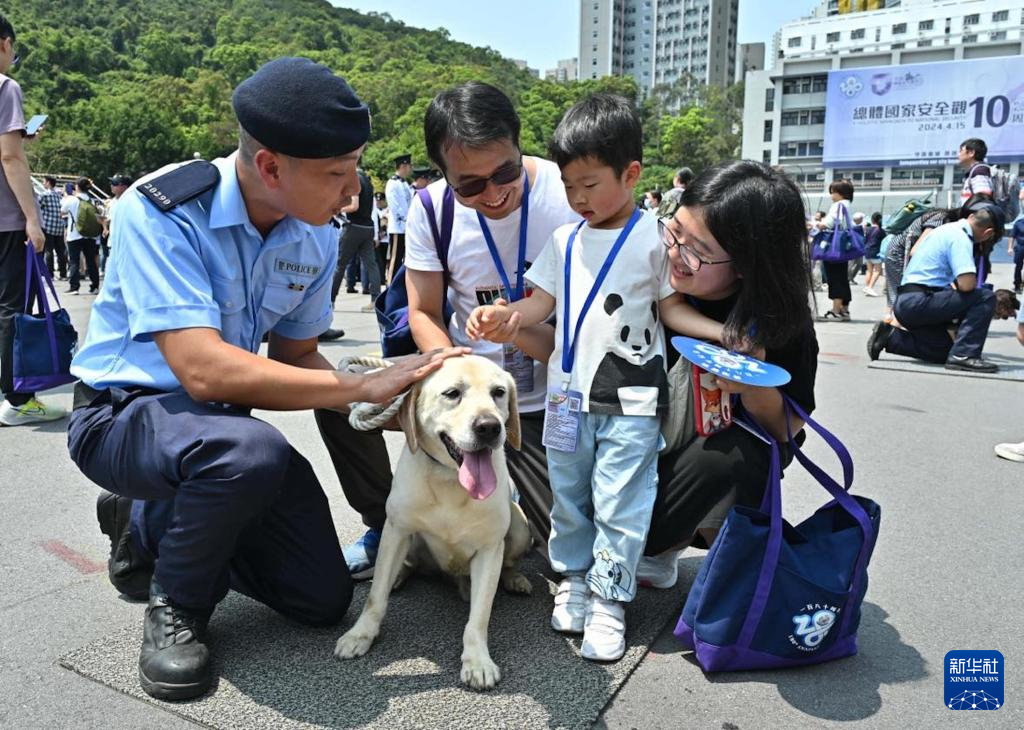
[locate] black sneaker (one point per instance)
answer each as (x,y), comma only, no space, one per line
(331,335)
(174,663)
(879,339)
(129,572)
(971,364)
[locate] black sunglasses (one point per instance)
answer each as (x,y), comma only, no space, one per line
(507,173)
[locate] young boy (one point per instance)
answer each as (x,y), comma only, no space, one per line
(607,389)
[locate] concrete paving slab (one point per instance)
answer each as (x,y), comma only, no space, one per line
(274,674)
(1010,368)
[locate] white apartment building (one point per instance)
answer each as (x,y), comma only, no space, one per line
(659,41)
(784,106)
(565,70)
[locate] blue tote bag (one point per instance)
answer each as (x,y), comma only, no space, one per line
(770,595)
(839,245)
(392,305)
(44,342)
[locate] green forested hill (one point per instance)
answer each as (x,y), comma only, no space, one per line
(131,85)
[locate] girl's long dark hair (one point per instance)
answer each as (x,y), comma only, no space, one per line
(757,215)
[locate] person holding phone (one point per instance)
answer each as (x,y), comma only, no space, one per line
(20,226)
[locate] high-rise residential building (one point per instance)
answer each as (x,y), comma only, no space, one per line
(784,107)
(750,57)
(659,41)
(566,70)
(520,63)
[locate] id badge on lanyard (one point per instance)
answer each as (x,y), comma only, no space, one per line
(563,406)
(562,409)
(519,365)
(514,361)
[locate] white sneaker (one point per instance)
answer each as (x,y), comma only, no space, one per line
(870,292)
(1013,452)
(660,571)
(570,605)
(368,308)
(35,411)
(604,634)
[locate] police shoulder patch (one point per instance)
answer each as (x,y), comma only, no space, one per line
(180,185)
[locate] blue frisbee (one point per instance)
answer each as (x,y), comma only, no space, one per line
(730,365)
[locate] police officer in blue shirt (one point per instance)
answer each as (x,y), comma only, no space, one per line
(939,287)
(206,259)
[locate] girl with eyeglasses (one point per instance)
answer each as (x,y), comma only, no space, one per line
(736,252)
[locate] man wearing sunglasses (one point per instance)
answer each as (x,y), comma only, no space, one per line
(506,207)
(20,226)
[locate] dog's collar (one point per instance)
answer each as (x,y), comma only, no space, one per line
(432,457)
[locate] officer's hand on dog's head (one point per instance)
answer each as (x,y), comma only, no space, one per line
(383,385)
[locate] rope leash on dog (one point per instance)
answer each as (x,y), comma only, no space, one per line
(368,416)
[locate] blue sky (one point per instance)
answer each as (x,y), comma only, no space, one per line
(543,31)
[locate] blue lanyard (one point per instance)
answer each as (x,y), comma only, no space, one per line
(569,348)
(524,217)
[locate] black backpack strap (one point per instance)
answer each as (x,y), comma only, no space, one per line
(180,185)
(442,237)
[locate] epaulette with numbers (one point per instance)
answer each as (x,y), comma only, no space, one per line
(180,185)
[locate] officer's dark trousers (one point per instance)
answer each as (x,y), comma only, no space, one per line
(697,482)
(83,248)
(1018,265)
(927,315)
(12,301)
(357,241)
(55,246)
(229,502)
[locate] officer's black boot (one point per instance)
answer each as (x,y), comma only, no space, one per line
(174,663)
(129,571)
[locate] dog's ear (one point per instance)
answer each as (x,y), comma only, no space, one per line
(512,432)
(407,418)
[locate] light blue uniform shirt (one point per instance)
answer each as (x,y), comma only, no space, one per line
(202,264)
(944,255)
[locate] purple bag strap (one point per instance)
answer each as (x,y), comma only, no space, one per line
(771,504)
(763,589)
(37,273)
(842,497)
(442,238)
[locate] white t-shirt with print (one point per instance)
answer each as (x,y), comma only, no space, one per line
(620,352)
(474,280)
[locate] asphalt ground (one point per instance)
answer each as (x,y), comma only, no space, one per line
(946,574)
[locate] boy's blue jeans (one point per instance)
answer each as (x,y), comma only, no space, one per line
(603,496)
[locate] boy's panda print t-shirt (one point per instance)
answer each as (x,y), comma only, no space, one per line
(620,352)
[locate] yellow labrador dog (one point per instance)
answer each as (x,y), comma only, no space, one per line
(450,507)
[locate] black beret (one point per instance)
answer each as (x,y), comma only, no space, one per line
(405,159)
(418,172)
(299,108)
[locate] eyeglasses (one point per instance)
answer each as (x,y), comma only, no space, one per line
(690,257)
(507,173)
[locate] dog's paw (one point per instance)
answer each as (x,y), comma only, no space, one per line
(353,644)
(480,672)
(516,582)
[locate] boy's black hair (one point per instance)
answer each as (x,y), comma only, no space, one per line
(842,186)
(6,29)
(605,127)
(51,179)
(656,194)
(83,184)
(472,114)
(876,218)
(685,175)
(977,146)
(756,214)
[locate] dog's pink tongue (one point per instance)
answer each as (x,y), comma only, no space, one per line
(476,474)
